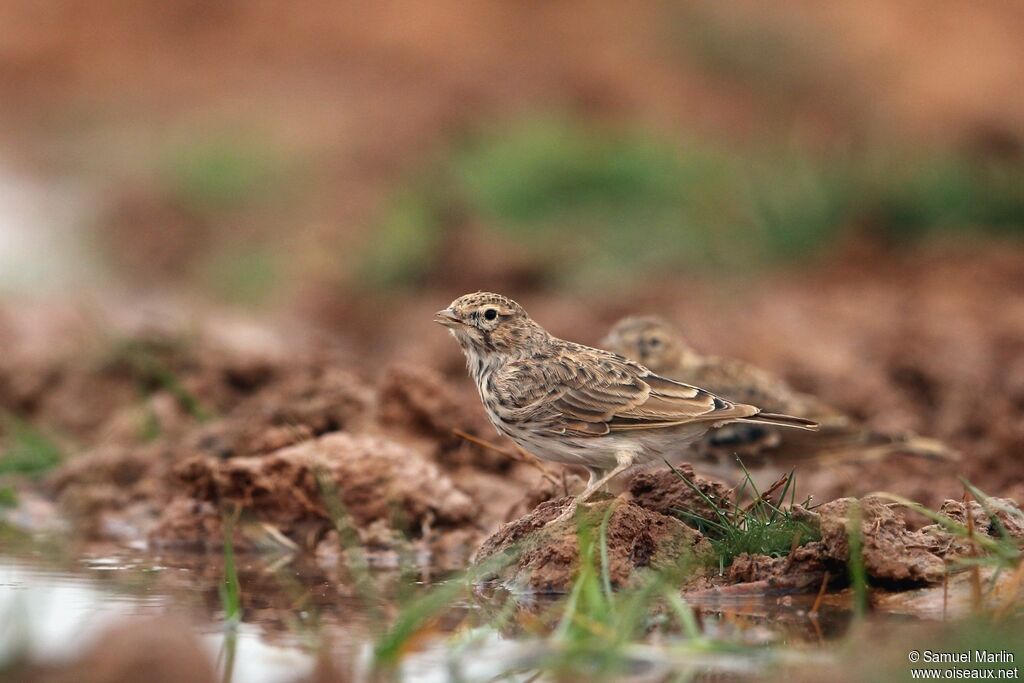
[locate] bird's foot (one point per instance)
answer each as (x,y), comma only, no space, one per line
(570,510)
(567,513)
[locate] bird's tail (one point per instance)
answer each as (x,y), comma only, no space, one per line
(933,449)
(865,445)
(779,420)
(882,445)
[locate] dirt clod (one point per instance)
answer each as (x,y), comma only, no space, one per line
(638,539)
(310,402)
(1007,514)
(375,479)
(420,401)
(803,569)
(891,551)
(415,398)
(664,492)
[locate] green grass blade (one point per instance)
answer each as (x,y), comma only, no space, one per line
(855,563)
(230,589)
(606,579)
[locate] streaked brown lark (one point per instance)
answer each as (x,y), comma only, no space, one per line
(573,404)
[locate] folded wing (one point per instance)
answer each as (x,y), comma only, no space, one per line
(596,393)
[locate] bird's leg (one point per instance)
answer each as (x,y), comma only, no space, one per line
(595,474)
(596,483)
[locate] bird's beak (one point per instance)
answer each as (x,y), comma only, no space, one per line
(447,318)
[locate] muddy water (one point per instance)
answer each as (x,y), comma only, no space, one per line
(53,615)
(55,610)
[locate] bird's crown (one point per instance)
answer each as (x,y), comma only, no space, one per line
(477,299)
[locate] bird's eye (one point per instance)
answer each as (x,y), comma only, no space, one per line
(654,342)
(490,314)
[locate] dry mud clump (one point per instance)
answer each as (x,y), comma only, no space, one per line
(419,402)
(258,447)
(372,477)
(663,491)
(1007,516)
(111,491)
(997,518)
(304,404)
(546,558)
(294,401)
(891,551)
(100,394)
(803,569)
(893,554)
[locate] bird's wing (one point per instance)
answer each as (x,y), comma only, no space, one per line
(588,392)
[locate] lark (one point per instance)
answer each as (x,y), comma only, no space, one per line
(658,346)
(572,404)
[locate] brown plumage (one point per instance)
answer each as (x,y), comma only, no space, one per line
(659,346)
(574,404)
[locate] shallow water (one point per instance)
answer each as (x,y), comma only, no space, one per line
(55,607)
(53,613)
(51,616)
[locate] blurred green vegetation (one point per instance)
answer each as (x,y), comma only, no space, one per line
(945,194)
(27,451)
(594,632)
(247,275)
(408,237)
(8,497)
(222,172)
(599,626)
(228,175)
(151,363)
(615,202)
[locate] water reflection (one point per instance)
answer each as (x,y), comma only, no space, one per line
(51,616)
(243,654)
(294,609)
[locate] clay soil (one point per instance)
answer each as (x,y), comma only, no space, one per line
(166,433)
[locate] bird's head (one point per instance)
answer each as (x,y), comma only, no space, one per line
(650,341)
(486,323)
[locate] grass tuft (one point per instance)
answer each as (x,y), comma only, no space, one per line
(759,528)
(597,626)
